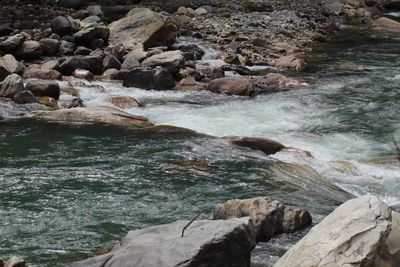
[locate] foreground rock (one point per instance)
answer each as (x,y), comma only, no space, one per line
(205,243)
(386,24)
(106,115)
(142,29)
(231,86)
(43,88)
(265,145)
(352,235)
(270,217)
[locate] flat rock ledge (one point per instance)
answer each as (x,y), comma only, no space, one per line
(354,234)
(219,243)
(104,115)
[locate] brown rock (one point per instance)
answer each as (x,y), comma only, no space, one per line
(124,101)
(279,81)
(265,145)
(290,62)
(386,24)
(83,74)
(231,86)
(42,73)
(190,84)
(9,65)
(47,101)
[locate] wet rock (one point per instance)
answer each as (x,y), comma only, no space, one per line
(47,101)
(15,262)
(258,5)
(172,61)
(387,24)
(191,73)
(130,62)
(278,82)
(29,50)
(82,51)
(118,51)
(12,43)
(290,62)
(61,25)
(51,65)
(111,74)
(76,103)
(265,145)
(192,52)
(231,86)
(190,84)
(242,70)
(49,46)
(353,234)
(67,48)
(9,65)
(43,88)
(83,74)
(124,101)
(105,115)
(11,85)
(72,3)
(212,73)
(270,217)
(111,62)
(205,243)
(92,63)
(70,90)
(90,33)
(42,73)
(143,28)
(157,79)
(335,8)
(24,97)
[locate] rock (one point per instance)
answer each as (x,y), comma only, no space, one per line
(61,25)
(391,4)
(9,65)
(190,84)
(76,103)
(11,85)
(393,240)
(192,52)
(82,51)
(124,101)
(335,8)
(258,5)
(24,97)
(118,51)
(15,262)
(270,217)
(29,50)
(205,243)
(70,91)
(42,73)
(157,79)
(265,145)
(5,29)
(290,62)
(83,74)
(352,235)
(72,3)
(92,63)
(111,62)
(231,86)
(95,10)
(212,73)
(130,62)
(43,88)
(47,101)
(67,48)
(91,32)
(200,11)
(106,115)
(190,73)
(386,24)
(110,74)
(143,28)
(12,43)
(97,43)
(241,70)
(51,65)
(278,82)
(49,46)
(91,20)
(172,61)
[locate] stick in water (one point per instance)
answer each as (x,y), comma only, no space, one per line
(189,223)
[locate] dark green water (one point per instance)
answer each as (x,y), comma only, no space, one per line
(68,189)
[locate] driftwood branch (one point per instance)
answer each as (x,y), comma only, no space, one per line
(190,222)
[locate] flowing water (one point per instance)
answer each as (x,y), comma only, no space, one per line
(68,189)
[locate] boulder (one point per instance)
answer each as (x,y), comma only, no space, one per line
(42,73)
(270,217)
(29,50)
(24,97)
(67,48)
(190,84)
(90,33)
(43,88)
(92,63)
(130,62)
(124,101)
(265,145)
(172,61)
(352,235)
(49,46)
(143,28)
(11,85)
(61,25)
(239,69)
(15,262)
(111,62)
(82,51)
(11,44)
(105,115)
(83,74)
(386,24)
(279,82)
(290,62)
(231,86)
(9,65)
(52,64)
(212,73)
(157,79)
(205,243)
(47,101)
(392,257)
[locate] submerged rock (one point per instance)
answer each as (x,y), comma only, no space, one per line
(106,115)
(143,28)
(270,217)
(265,145)
(231,86)
(11,85)
(220,243)
(352,235)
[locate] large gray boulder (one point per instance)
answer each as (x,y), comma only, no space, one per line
(143,28)
(43,88)
(11,85)
(172,61)
(104,115)
(205,243)
(270,217)
(9,65)
(352,235)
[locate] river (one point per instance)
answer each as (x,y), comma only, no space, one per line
(68,189)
